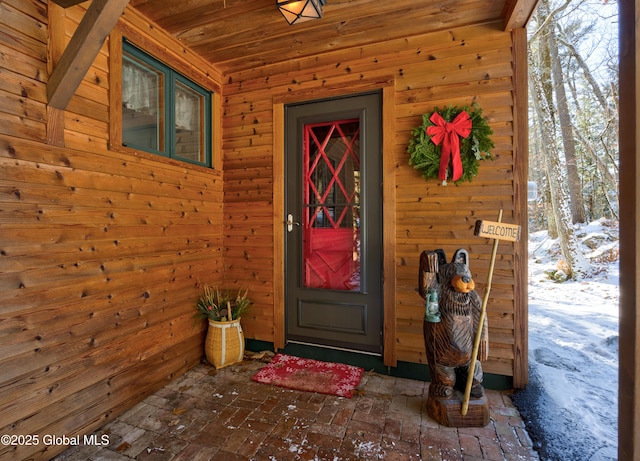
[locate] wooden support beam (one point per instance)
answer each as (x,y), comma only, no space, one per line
(85,45)
(517,13)
(55,126)
(520,93)
(55,117)
(629,354)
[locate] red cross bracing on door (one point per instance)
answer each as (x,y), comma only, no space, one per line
(331,205)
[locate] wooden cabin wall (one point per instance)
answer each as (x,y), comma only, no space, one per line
(100,250)
(451,67)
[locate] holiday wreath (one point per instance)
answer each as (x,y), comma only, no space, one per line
(450,143)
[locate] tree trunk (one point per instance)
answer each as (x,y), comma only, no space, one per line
(569,244)
(564,118)
(597,92)
(599,143)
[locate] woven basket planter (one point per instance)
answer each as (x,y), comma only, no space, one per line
(224,344)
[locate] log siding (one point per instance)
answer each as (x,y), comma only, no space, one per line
(471,64)
(101,246)
(100,249)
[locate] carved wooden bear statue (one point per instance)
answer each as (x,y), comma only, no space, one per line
(449,343)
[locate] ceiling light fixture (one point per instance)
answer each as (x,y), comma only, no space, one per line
(297,11)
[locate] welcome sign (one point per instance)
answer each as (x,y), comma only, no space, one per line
(497,230)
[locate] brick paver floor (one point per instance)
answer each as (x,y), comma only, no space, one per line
(210,414)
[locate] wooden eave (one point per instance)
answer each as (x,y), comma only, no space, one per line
(235,35)
(518,12)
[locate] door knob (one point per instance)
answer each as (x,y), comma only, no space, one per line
(290,222)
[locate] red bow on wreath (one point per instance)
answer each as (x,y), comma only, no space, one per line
(447,133)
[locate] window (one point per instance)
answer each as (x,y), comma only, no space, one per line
(162,111)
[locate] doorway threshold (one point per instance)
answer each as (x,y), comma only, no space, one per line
(367,360)
(343,349)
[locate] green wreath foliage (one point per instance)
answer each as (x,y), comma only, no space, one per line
(425,155)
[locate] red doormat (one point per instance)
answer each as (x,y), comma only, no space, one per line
(310,375)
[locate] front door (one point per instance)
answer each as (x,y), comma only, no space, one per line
(334,223)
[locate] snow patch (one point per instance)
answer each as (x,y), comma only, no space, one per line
(570,405)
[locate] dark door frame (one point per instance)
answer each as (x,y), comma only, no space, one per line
(361,310)
(388,197)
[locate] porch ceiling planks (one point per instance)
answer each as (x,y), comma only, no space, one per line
(235,35)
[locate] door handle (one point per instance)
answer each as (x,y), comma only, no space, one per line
(290,222)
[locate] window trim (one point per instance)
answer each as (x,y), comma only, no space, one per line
(171,76)
(195,70)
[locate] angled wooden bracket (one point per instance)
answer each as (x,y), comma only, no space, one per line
(96,25)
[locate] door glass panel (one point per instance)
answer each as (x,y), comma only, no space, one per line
(142,105)
(331,204)
(189,132)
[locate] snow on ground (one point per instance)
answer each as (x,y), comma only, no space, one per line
(570,405)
